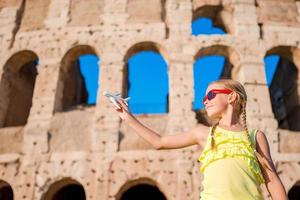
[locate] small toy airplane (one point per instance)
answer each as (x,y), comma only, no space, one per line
(114,97)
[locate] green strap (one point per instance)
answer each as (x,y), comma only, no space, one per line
(252,137)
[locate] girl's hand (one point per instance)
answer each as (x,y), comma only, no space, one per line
(124,112)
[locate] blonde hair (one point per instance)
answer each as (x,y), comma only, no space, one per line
(240,103)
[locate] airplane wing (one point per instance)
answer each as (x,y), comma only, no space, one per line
(117,94)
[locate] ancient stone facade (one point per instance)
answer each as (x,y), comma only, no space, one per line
(50,142)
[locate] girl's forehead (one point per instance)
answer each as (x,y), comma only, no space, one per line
(213,86)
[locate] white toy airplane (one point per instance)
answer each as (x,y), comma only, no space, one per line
(113,97)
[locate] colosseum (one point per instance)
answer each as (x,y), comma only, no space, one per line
(55,147)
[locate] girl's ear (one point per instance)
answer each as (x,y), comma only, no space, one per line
(232,97)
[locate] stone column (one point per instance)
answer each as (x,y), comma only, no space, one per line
(4,100)
(243,22)
(58,15)
(259,108)
(115,12)
(106,122)
(36,129)
(298,86)
(181,94)
(184,181)
(8,19)
(296,60)
(179,18)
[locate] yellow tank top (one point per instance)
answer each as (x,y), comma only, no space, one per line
(231,171)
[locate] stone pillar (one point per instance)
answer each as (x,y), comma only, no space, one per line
(296,60)
(8,19)
(36,129)
(243,22)
(179,19)
(298,86)
(184,180)
(259,108)
(181,94)
(4,100)
(117,9)
(58,15)
(105,125)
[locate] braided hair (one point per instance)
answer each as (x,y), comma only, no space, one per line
(240,105)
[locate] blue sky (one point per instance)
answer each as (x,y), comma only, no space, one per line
(271,63)
(148,74)
(89,69)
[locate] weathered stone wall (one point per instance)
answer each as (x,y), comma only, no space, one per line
(90,145)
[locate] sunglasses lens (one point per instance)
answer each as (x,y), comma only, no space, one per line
(211,95)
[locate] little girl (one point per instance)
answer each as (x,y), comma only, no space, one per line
(230,164)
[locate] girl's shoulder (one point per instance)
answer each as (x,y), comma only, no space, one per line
(258,137)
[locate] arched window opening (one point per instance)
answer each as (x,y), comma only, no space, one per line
(6,192)
(78,79)
(282,78)
(143,191)
(142,188)
(207,20)
(17,82)
(211,63)
(294,192)
(147,80)
(66,189)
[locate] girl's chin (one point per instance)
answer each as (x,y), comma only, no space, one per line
(213,116)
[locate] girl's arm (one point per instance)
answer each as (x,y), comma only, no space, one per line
(191,137)
(272,180)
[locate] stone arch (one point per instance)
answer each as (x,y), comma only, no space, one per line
(65,188)
(228,52)
(289,52)
(145,185)
(217,13)
(17,81)
(135,49)
(6,191)
(284,92)
(146,46)
(71,89)
(231,65)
